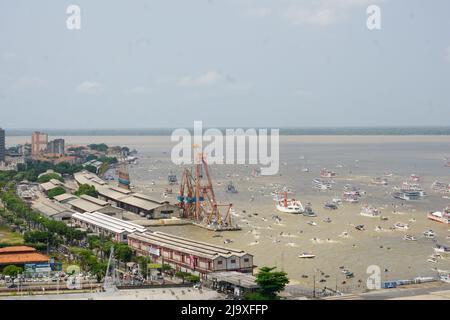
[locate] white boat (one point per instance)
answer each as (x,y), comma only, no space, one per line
(409,192)
(380,181)
(441,249)
(401,226)
(441,187)
(444,276)
(312,223)
(371,212)
(321,185)
(325,173)
(306,255)
(305,170)
(432,260)
(409,237)
(442,217)
(429,234)
(290,205)
(350,197)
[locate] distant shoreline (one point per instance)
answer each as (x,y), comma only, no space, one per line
(318,131)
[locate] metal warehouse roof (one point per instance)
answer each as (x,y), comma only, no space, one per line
(64,196)
(140,203)
(198,248)
(94,200)
(104,221)
(112,194)
(84,205)
(47,186)
(50,208)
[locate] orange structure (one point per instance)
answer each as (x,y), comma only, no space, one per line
(198,201)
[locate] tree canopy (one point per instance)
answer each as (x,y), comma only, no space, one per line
(270,282)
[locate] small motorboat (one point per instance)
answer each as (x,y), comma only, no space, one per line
(309,212)
(306,255)
(401,226)
(429,234)
(360,227)
(432,260)
(330,206)
(226,241)
(409,237)
(312,223)
(327,220)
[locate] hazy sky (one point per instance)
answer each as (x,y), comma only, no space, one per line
(230,63)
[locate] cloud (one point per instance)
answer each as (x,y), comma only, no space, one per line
(140,90)
(31,83)
(89,87)
(206,79)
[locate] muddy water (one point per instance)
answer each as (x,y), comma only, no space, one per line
(357,160)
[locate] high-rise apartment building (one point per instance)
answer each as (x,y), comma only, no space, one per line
(56,146)
(39,143)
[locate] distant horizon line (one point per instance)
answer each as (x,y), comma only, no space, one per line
(287,130)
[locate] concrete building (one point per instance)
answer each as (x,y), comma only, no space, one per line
(56,147)
(39,143)
(53,210)
(2,145)
(104,225)
(137,203)
(189,255)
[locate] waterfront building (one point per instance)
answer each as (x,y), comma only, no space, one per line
(56,147)
(188,255)
(106,226)
(39,143)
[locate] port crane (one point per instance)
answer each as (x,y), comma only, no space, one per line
(197,199)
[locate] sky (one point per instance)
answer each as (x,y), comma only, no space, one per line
(228,63)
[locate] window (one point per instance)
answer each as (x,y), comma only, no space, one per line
(233,260)
(219,262)
(246,259)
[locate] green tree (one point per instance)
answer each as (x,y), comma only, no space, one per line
(49,176)
(123,252)
(56,192)
(86,189)
(12,271)
(182,275)
(270,282)
(98,147)
(91,168)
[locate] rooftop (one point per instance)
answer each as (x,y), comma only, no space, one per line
(64,196)
(20,255)
(243,280)
(104,221)
(94,200)
(84,205)
(189,246)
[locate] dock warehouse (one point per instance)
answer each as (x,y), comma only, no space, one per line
(188,255)
(117,229)
(137,203)
(53,210)
(20,255)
